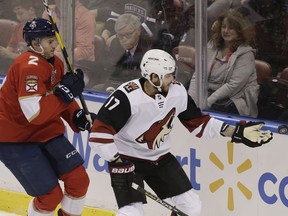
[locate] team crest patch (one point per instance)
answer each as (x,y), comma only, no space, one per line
(131,86)
(31,83)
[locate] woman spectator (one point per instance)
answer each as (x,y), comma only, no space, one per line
(232,79)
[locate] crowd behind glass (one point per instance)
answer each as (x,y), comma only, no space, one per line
(111,36)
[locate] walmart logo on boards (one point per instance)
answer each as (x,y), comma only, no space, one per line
(272,185)
(218,183)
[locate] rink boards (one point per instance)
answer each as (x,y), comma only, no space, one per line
(231,179)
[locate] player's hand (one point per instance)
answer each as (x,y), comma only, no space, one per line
(71,85)
(122,174)
(81,121)
(249,133)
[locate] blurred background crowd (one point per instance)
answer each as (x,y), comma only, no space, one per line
(246,49)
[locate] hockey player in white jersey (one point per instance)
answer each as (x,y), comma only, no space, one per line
(132,132)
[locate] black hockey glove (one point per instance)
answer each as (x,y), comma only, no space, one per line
(80,120)
(71,85)
(122,174)
(249,133)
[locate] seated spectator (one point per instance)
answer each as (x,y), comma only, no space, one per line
(271,27)
(84,31)
(232,78)
(164,23)
(109,11)
(126,50)
(25,11)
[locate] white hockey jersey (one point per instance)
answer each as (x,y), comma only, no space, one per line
(136,125)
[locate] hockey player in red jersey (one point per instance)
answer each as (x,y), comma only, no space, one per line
(132,132)
(35,95)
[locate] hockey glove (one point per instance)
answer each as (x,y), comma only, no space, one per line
(80,120)
(249,133)
(71,85)
(122,174)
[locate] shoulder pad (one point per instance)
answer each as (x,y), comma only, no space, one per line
(130,86)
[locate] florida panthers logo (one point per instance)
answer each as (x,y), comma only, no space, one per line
(157,132)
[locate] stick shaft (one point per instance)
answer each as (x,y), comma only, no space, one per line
(157,199)
(65,55)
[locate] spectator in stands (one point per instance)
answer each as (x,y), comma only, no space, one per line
(232,78)
(271,27)
(25,11)
(108,12)
(84,30)
(126,50)
(164,23)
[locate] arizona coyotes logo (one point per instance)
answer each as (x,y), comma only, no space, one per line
(157,132)
(131,86)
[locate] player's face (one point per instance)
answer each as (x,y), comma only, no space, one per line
(49,45)
(167,80)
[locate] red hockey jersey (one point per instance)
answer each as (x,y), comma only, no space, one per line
(29,111)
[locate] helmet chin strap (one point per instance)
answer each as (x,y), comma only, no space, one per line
(40,46)
(39,52)
(157,87)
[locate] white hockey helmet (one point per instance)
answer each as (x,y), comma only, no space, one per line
(159,62)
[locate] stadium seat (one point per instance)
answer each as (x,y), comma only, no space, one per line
(283,88)
(185,55)
(99,46)
(6,30)
(273,97)
(284,74)
(263,70)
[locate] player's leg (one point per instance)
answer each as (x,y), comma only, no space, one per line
(168,179)
(130,202)
(188,202)
(132,209)
(45,205)
(33,171)
(76,185)
(68,165)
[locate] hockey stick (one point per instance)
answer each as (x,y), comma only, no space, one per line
(65,55)
(157,199)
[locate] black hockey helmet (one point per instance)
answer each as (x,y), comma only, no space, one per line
(37,28)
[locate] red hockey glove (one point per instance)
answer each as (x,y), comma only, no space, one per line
(122,174)
(249,133)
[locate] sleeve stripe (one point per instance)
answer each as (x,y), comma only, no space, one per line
(103,141)
(101,135)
